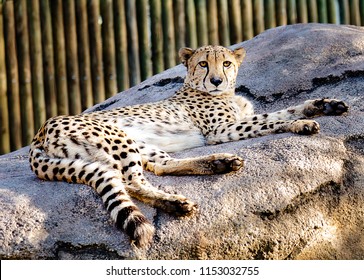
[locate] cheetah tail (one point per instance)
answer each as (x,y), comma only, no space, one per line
(107,183)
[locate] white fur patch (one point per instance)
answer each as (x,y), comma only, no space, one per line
(181,138)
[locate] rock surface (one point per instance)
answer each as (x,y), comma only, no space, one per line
(298,197)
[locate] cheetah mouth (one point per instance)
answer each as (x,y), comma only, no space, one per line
(215,91)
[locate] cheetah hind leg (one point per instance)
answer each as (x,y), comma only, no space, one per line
(161,163)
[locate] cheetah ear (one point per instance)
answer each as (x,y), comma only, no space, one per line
(239,55)
(185,54)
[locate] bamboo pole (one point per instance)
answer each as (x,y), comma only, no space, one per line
(157,36)
(48,60)
(25,76)
(144,42)
(354,12)
(331,11)
(302,11)
(133,42)
(212,18)
(201,17)
(108,39)
(12,75)
(73,74)
(235,21)
(213,32)
(59,57)
(269,14)
(312,11)
(97,74)
(180,25)
(291,12)
(322,11)
(247,18)
(168,34)
(121,46)
(223,18)
(191,24)
(344,11)
(4,114)
(84,54)
(258,12)
(36,64)
(281,12)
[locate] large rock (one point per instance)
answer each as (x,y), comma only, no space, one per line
(298,197)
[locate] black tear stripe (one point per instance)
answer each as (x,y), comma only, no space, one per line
(207,73)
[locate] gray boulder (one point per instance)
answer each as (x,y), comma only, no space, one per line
(298,197)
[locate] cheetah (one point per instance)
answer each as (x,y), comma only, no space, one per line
(109,150)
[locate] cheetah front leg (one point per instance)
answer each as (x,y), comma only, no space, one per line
(308,109)
(251,129)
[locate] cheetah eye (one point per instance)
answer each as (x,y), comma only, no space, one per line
(203,64)
(227,63)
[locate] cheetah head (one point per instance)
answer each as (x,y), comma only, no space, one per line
(212,69)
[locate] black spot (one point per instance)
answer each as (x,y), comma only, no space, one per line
(89,176)
(114,148)
(131,164)
(62,170)
(109,198)
(71,170)
(55,171)
(123,215)
(125,168)
(238,128)
(264,127)
(113,205)
(132,151)
(98,182)
(36,164)
(74,179)
(116,157)
(248,128)
(96,134)
(129,141)
(105,190)
(123,155)
(80,175)
(117,141)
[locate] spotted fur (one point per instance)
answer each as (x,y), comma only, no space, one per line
(108,150)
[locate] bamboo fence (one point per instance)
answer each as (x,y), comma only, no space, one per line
(62,56)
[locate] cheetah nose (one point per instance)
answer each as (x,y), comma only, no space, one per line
(216,81)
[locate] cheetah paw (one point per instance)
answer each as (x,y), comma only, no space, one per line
(224,163)
(179,205)
(333,107)
(305,127)
(325,106)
